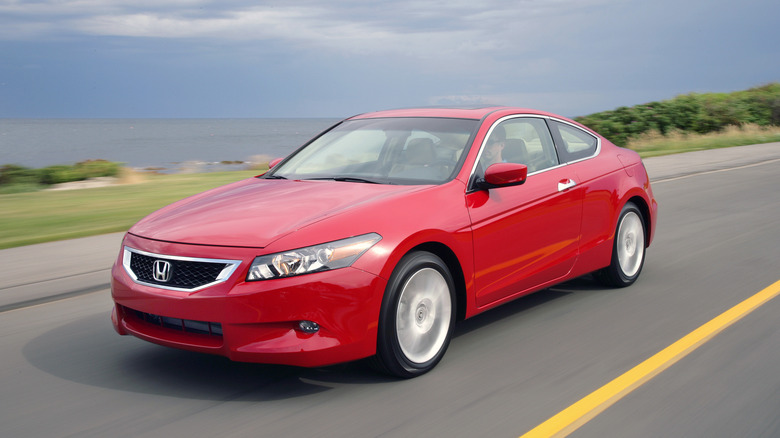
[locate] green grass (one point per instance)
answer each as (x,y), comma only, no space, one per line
(6,189)
(44,216)
(653,144)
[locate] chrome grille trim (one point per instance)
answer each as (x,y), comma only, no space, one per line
(230,267)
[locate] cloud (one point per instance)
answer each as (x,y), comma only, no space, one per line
(571,56)
(414,28)
(302,26)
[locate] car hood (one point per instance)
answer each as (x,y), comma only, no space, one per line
(256,212)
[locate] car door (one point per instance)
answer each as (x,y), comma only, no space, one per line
(524,236)
(598,180)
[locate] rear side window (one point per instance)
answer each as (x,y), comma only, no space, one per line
(574,143)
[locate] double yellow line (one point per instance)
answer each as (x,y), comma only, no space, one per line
(571,418)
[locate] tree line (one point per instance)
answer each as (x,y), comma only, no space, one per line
(14,174)
(689,113)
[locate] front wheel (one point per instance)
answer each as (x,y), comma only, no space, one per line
(628,251)
(417,316)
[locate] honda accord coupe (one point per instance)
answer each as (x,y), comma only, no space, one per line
(375,237)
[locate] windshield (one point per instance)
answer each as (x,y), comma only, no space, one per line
(415,150)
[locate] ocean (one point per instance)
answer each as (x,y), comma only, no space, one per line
(164,144)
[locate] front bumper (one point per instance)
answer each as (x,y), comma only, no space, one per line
(253,321)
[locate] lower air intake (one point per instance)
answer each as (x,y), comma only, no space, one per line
(182,325)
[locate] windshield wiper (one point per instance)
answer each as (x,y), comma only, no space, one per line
(350,179)
(354,179)
(274,177)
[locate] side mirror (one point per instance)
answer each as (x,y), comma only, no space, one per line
(274,162)
(503,175)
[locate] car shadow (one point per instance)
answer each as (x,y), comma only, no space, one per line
(88,351)
(523,304)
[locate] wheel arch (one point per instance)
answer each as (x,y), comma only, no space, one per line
(641,204)
(453,264)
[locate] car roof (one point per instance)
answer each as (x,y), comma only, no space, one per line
(476,113)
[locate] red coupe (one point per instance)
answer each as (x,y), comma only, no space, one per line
(372,239)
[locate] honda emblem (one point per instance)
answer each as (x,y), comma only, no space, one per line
(162,271)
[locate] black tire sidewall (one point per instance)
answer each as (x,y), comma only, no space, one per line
(388,348)
(620,277)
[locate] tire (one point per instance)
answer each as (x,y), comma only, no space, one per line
(628,249)
(417,316)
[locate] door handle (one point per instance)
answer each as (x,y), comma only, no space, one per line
(565,184)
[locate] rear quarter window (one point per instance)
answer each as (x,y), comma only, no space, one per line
(574,143)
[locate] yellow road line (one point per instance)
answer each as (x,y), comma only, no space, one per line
(571,418)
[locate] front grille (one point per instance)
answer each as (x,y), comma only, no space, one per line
(183,273)
(182,325)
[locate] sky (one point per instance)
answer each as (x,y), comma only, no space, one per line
(336,58)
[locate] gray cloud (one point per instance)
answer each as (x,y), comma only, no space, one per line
(569,56)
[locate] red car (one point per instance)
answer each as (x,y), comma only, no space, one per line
(372,239)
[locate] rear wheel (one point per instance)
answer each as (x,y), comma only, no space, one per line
(628,251)
(417,316)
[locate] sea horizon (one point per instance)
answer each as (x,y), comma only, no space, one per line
(160,143)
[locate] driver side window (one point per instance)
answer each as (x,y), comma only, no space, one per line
(526,140)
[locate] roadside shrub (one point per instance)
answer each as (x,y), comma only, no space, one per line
(13,174)
(97,168)
(60,174)
(692,113)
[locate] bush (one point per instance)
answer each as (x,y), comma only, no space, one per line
(694,113)
(97,168)
(11,174)
(60,174)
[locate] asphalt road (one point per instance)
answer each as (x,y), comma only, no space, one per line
(64,372)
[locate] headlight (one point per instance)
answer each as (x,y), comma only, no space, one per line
(324,257)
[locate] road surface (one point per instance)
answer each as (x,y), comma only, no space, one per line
(65,372)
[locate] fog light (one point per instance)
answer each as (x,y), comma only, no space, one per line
(308,326)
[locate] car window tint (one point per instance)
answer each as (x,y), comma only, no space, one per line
(576,143)
(527,141)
